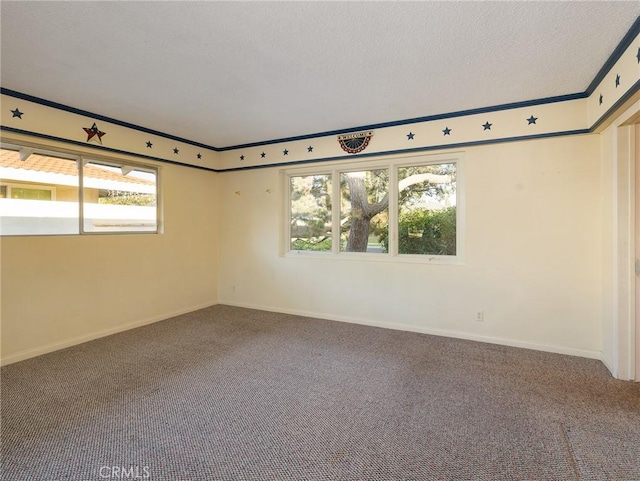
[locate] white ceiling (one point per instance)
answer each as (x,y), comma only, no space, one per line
(228,73)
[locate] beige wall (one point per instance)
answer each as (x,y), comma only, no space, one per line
(61,290)
(533,246)
(532,261)
(542,232)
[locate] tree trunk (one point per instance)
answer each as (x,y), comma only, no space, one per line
(359,228)
(361,214)
(358,234)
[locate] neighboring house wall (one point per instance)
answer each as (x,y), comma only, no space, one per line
(64,193)
(90,195)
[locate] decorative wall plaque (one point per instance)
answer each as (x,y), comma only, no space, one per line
(354,143)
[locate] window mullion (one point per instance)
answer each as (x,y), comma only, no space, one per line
(80,164)
(286,209)
(335,211)
(393,210)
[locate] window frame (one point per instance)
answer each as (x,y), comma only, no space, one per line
(82,158)
(360,168)
(288,216)
(393,163)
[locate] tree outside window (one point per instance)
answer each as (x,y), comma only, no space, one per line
(423,201)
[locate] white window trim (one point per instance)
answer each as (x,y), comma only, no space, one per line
(392,163)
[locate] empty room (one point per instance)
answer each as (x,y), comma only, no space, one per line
(328,241)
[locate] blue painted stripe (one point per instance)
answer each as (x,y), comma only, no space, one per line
(461,113)
(66,108)
(615,56)
(107,149)
(630,93)
(407,151)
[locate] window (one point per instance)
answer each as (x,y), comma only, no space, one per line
(310,212)
(119,198)
(364,210)
(49,193)
(405,208)
(427,210)
(25,207)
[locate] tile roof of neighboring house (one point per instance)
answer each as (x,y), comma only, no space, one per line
(55,165)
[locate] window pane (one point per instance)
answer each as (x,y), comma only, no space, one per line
(364,211)
(32,194)
(39,195)
(310,221)
(427,209)
(119,198)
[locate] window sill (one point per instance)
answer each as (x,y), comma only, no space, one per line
(375,257)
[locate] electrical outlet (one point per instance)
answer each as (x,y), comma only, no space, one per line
(480,316)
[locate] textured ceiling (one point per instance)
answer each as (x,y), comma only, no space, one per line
(228,73)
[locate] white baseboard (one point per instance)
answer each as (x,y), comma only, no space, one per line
(29,353)
(56,346)
(426,330)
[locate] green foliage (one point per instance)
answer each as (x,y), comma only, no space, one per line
(311,244)
(375,185)
(427,219)
(430,187)
(424,231)
(311,213)
(117,197)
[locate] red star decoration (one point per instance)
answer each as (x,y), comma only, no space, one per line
(94,133)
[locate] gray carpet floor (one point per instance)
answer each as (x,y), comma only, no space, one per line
(226,393)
